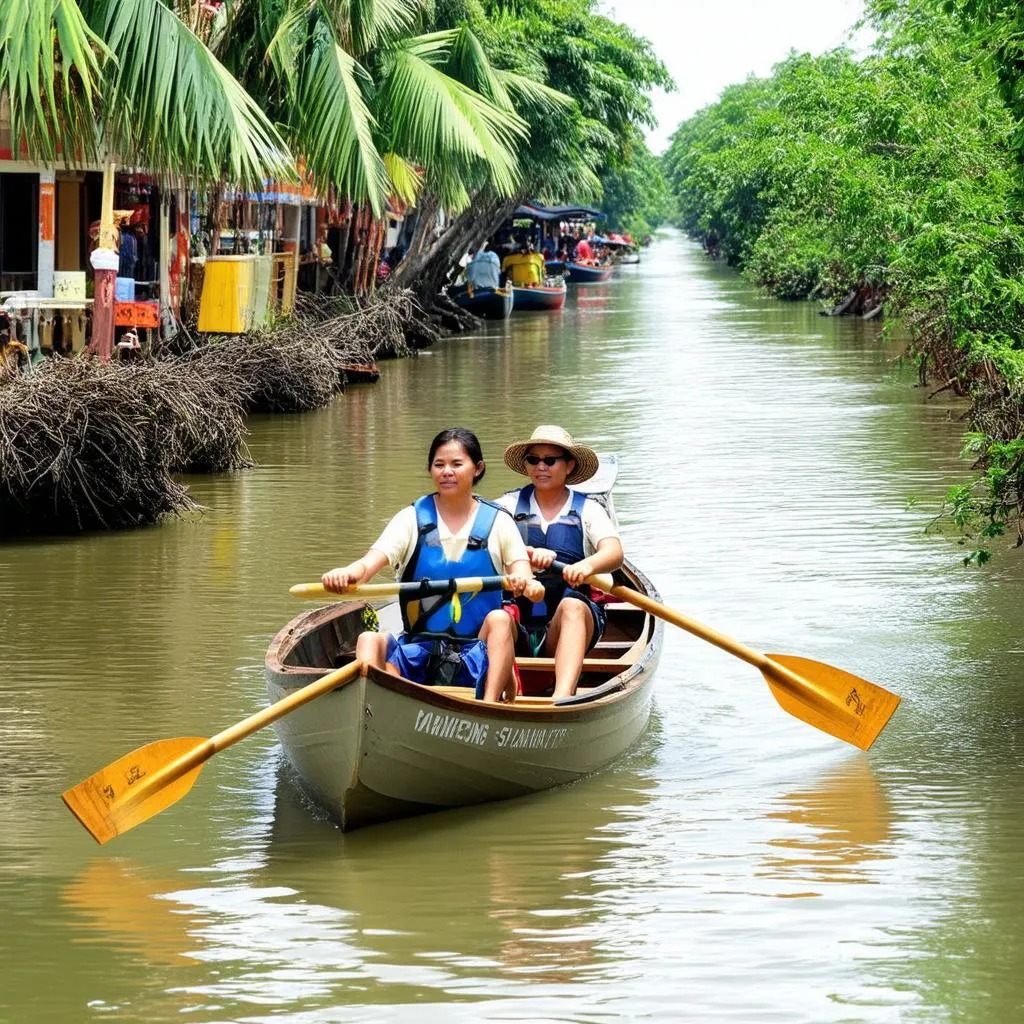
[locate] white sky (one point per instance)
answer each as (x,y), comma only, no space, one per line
(709,44)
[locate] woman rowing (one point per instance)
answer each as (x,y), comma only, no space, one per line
(461,640)
(556,522)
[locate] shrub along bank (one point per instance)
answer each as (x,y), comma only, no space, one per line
(886,183)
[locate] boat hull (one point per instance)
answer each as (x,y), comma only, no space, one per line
(528,299)
(381,747)
(489,303)
(580,274)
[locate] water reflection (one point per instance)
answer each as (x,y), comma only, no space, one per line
(842,823)
(414,911)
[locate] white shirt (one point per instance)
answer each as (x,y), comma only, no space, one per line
(398,541)
(597,524)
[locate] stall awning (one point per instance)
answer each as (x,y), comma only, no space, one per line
(540,212)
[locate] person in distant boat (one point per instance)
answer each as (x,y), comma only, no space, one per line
(445,535)
(558,523)
(524,269)
(584,251)
(483,270)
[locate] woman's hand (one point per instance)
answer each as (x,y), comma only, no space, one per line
(339,580)
(540,558)
(525,586)
(577,573)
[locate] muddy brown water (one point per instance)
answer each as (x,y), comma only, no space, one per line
(737,866)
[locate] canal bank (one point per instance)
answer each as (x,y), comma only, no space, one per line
(737,863)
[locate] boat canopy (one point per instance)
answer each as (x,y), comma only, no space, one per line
(541,212)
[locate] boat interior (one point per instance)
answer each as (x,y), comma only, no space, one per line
(326,640)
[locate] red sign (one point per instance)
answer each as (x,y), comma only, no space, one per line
(137,314)
(46,211)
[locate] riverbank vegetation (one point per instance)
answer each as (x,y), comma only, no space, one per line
(585,115)
(890,184)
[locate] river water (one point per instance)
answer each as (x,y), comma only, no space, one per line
(737,866)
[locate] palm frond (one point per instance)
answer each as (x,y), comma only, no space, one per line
(436,120)
(528,92)
(406,180)
(468,63)
(334,127)
(286,44)
(50,70)
(180,108)
(361,25)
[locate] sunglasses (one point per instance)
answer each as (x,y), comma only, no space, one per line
(548,460)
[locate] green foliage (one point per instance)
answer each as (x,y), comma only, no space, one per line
(635,196)
(603,66)
(893,177)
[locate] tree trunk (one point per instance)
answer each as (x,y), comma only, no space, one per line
(430,258)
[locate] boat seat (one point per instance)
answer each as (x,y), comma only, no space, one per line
(613,647)
(606,666)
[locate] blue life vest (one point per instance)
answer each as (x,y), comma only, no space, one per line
(433,616)
(565,537)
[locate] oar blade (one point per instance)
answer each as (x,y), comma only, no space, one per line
(856,710)
(104,802)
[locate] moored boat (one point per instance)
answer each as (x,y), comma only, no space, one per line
(489,303)
(381,747)
(548,296)
(360,373)
(581,273)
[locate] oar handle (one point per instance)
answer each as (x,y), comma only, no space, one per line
(202,752)
(602,580)
(414,588)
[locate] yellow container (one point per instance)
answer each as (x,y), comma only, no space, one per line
(225,305)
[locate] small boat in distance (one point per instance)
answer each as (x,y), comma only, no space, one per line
(381,747)
(547,296)
(489,303)
(582,273)
(360,373)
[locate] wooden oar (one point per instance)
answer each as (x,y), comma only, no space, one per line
(413,589)
(837,702)
(148,780)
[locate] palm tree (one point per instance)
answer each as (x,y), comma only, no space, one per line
(87,78)
(376,105)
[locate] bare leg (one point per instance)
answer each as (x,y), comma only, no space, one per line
(498,633)
(569,635)
(372,649)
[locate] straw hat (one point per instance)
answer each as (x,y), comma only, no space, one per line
(586,458)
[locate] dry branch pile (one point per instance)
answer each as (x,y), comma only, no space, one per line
(85,446)
(88,446)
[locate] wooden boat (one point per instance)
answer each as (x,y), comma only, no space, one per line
(360,373)
(381,747)
(581,273)
(549,296)
(489,303)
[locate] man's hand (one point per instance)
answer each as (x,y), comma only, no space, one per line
(540,558)
(576,574)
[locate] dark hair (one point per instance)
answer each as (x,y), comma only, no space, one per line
(467,439)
